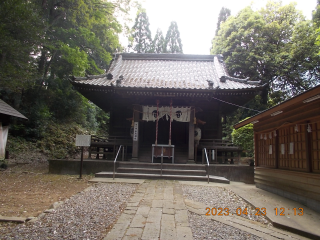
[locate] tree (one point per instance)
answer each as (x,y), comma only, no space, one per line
(243,137)
(270,45)
(44,42)
(158,42)
(316,14)
(173,42)
(21,34)
(141,36)
(223,15)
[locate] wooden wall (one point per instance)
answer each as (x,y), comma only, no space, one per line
(290,147)
(300,187)
(119,126)
(293,174)
(315,147)
(213,128)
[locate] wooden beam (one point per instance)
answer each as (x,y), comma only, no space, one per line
(256,149)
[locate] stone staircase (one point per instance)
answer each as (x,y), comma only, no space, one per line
(139,170)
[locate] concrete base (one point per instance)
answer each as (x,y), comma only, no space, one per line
(313,204)
(235,173)
(72,167)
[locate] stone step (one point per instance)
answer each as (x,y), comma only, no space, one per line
(164,176)
(164,171)
(164,166)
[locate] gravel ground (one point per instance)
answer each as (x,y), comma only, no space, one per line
(218,197)
(87,215)
(204,228)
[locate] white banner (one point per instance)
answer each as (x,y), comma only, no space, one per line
(3,140)
(180,114)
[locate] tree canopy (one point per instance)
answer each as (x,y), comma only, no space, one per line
(44,42)
(173,41)
(158,42)
(223,15)
(141,34)
(274,45)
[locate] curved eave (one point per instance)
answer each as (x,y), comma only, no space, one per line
(89,85)
(298,100)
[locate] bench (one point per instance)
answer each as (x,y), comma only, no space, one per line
(217,145)
(108,146)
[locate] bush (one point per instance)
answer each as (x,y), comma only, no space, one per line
(243,137)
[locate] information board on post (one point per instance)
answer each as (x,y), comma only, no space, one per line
(83,140)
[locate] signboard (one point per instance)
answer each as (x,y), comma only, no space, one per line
(270,149)
(135,131)
(282,148)
(83,140)
(291,148)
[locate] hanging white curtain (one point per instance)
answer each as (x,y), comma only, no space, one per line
(3,140)
(180,114)
(150,113)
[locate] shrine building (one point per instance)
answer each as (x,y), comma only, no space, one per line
(165,100)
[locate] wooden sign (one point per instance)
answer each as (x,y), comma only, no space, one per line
(135,131)
(83,140)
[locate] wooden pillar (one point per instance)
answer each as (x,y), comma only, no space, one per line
(135,140)
(277,148)
(220,126)
(191,135)
(256,149)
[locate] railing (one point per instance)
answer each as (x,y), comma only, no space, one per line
(205,151)
(114,162)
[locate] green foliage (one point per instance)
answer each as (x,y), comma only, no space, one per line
(243,137)
(223,15)
(141,34)
(42,43)
(274,45)
(58,141)
(158,43)
(21,33)
(255,104)
(316,15)
(172,41)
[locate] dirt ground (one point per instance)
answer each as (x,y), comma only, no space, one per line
(26,190)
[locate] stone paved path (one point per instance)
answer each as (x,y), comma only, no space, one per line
(156,210)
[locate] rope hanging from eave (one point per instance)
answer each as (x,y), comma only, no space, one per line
(157,123)
(235,105)
(170,122)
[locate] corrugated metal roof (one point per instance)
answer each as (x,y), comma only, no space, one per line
(168,71)
(8,110)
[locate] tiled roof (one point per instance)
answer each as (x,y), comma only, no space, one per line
(8,110)
(168,71)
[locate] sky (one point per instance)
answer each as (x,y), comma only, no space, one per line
(197,20)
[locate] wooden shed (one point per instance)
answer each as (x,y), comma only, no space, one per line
(162,98)
(6,112)
(287,148)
